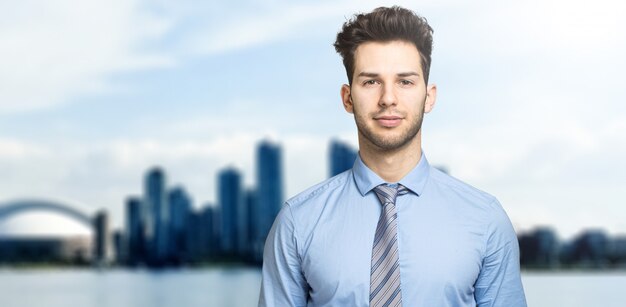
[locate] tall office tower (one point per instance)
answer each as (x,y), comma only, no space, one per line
(101,234)
(230,200)
(134,234)
(157,221)
(269,188)
(192,242)
(341,157)
(120,247)
(255,251)
(179,205)
(208,232)
(212,219)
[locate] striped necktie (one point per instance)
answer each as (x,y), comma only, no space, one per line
(385,273)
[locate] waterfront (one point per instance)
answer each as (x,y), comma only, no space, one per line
(234,287)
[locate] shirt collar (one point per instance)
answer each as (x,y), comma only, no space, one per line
(366,179)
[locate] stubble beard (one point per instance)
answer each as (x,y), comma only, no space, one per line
(386,142)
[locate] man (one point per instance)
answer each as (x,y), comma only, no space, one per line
(392,231)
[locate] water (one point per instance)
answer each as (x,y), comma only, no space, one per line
(602,289)
(225,287)
(120,288)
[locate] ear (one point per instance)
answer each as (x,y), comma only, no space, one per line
(431,97)
(346,98)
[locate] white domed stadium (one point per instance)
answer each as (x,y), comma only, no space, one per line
(40,231)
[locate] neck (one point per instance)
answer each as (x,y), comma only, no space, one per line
(391,165)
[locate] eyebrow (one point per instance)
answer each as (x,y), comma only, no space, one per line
(408,74)
(401,74)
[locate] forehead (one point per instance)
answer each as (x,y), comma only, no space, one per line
(387,57)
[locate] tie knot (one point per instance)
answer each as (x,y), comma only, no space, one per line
(388,194)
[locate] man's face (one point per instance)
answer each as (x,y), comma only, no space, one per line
(388,95)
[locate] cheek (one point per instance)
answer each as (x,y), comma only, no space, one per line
(364,103)
(414,103)
(360,116)
(366,95)
(362,111)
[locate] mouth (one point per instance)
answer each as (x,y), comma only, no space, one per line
(388,121)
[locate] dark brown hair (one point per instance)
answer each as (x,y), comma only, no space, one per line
(385,24)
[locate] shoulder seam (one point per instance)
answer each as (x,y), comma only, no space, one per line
(301,198)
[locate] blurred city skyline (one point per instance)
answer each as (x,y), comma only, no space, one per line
(530,105)
(162,229)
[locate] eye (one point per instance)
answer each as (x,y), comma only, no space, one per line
(370,82)
(405,82)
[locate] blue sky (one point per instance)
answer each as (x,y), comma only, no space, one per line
(530,105)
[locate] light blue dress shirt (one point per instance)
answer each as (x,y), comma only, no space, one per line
(456,244)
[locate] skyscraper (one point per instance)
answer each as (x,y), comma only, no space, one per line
(251,201)
(341,157)
(134,233)
(230,199)
(192,237)
(119,247)
(157,217)
(208,232)
(101,233)
(179,207)
(269,190)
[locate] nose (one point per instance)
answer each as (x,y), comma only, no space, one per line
(388,96)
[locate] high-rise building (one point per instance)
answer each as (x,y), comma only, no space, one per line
(157,219)
(208,233)
(179,207)
(341,157)
(101,239)
(192,237)
(212,219)
(119,247)
(269,189)
(134,231)
(201,235)
(255,251)
(230,199)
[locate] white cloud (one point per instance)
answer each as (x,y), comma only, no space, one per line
(538,28)
(254,25)
(54,51)
(12,148)
(262,22)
